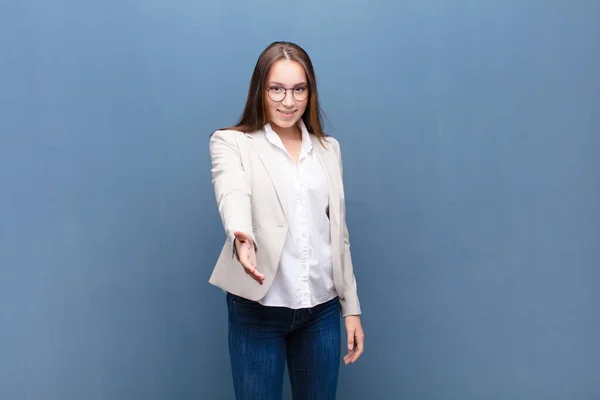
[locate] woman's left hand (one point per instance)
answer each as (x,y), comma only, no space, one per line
(356,338)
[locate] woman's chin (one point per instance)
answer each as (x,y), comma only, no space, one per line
(285,123)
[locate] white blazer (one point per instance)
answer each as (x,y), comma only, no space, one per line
(251,196)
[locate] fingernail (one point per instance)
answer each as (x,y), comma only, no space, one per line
(350,346)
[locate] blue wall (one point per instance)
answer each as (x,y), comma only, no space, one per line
(470,133)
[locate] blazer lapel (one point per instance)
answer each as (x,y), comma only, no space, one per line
(326,157)
(330,165)
(265,151)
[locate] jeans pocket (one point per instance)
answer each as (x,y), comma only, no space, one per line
(244,303)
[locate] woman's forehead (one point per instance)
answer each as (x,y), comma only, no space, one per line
(287,72)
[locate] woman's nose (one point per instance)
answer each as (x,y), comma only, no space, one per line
(288,100)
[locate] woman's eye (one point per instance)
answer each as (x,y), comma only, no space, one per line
(300,89)
(275,88)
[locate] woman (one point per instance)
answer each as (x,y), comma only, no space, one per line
(286,266)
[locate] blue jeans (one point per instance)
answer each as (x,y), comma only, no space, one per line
(262,338)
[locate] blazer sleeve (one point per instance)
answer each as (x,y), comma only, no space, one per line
(232,190)
(350,304)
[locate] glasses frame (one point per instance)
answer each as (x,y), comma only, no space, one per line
(285,93)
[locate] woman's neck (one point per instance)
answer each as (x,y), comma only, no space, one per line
(291,133)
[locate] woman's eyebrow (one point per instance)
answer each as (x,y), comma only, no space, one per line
(281,84)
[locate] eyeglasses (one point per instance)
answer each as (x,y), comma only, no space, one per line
(278,93)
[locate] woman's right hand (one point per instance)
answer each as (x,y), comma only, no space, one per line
(247,255)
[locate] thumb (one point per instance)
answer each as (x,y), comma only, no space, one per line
(350,339)
(241,236)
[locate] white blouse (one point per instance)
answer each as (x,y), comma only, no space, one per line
(304,277)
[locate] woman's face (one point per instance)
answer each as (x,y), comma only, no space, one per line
(283,105)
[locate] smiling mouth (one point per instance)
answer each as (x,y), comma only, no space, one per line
(286,113)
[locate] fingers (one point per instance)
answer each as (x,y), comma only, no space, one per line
(350,345)
(351,332)
(250,268)
(253,272)
(247,257)
(356,340)
(358,346)
(354,354)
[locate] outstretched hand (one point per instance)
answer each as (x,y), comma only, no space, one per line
(247,255)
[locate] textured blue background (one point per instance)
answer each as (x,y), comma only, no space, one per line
(470,135)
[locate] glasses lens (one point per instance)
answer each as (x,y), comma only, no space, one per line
(301,93)
(276,93)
